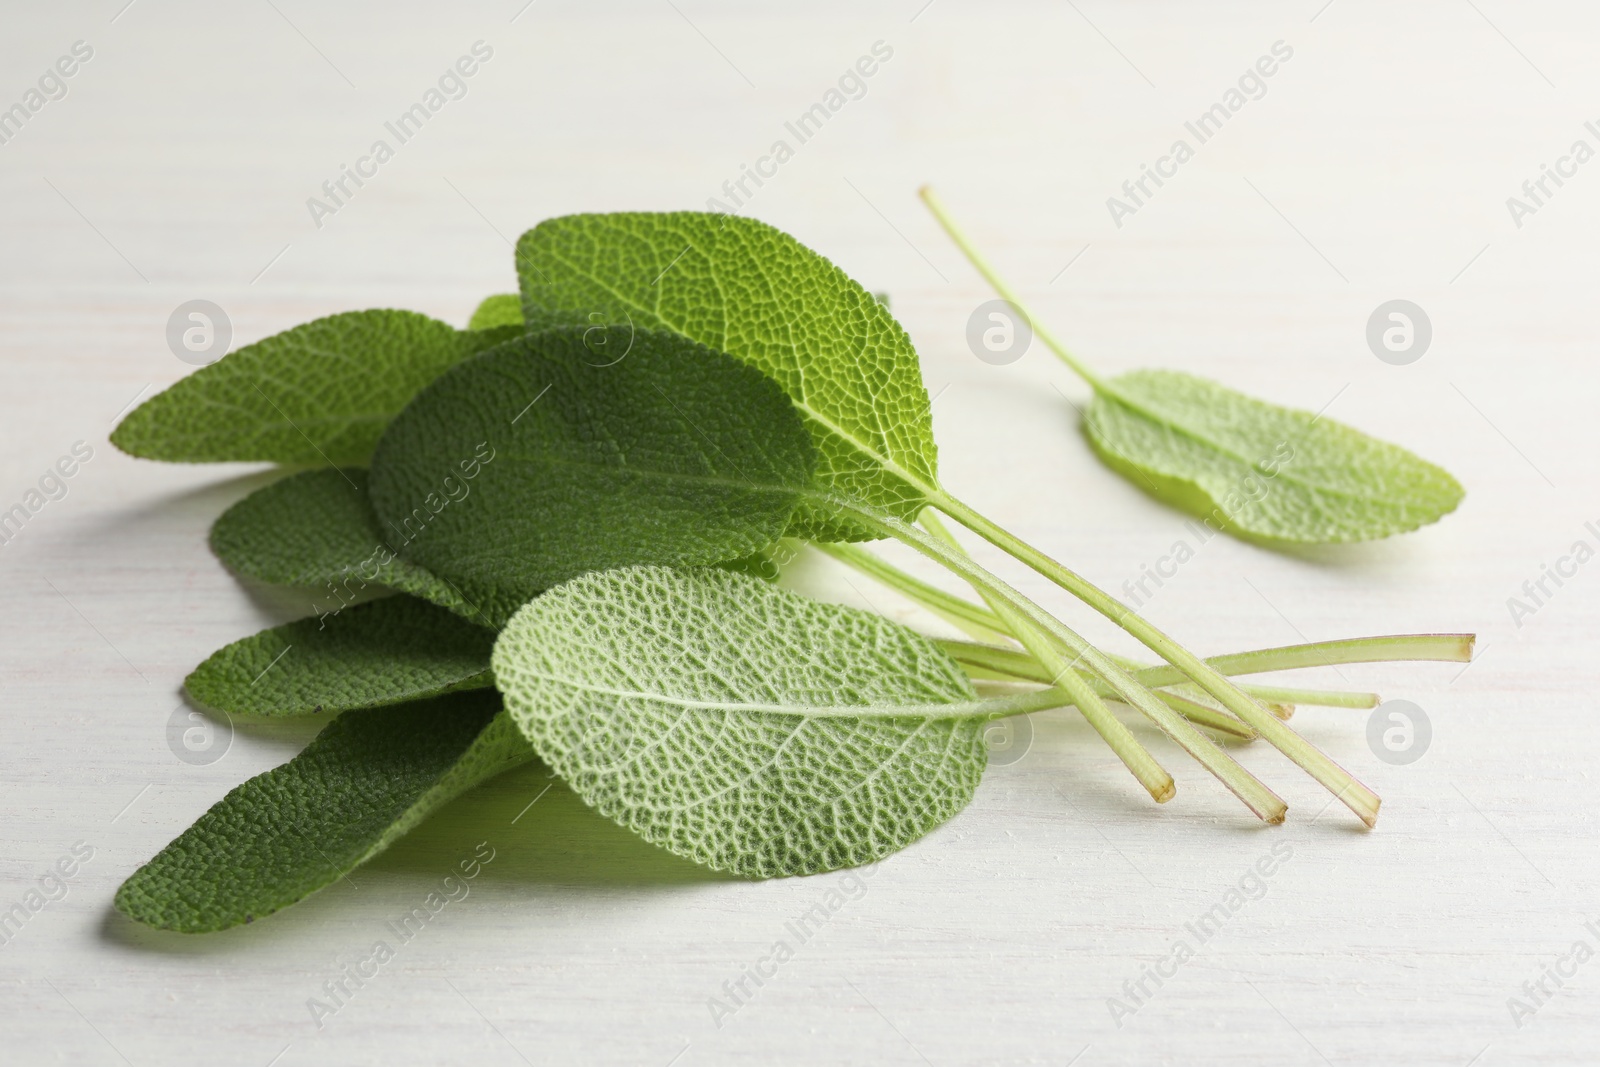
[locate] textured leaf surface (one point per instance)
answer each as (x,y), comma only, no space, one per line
(366,780)
(745,288)
(384,652)
(316,528)
(1265,471)
(318,394)
(652,692)
(502,309)
(767,564)
(674,454)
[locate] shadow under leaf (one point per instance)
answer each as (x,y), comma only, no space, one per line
(543,834)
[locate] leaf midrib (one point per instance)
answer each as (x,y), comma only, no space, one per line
(715,480)
(1286,473)
(926,712)
(811,413)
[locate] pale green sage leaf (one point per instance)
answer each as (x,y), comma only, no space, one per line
(682,704)
(1260,470)
(502,309)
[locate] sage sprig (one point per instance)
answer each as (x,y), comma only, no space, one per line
(1254,469)
(572,506)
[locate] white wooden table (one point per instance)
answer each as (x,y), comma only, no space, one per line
(1375,166)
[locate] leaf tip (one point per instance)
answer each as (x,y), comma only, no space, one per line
(126,438)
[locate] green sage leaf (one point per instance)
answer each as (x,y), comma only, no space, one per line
(502,309)
(384,652)
(680,704)
(673,454)
(316,528)
(1259,470)
(319,394)
(366,780)
(745,288)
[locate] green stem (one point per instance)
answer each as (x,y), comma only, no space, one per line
(1013,607)
(1311,698)
(1010,663)
(984,625)
(978,260)
(1361,800)
(1007,662)
(1441,648)
(1057,671)
(1219,722)
(974,619)
(970,618)
(1202,715)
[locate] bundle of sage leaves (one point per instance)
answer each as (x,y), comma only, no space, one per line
(574,510)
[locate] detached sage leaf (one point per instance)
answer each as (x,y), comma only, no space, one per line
(1260,470)
(318,394)
(385,652)
(680,704)
(365,781)
(745,288)
(502,309)
(317,529)
(672,454)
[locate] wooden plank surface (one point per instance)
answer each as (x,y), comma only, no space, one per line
(1374,164)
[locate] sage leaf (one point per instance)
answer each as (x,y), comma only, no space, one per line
(1262,472)
(674,454)
(316,528)
(678,702)
(362,783)
(502,309)
(319,394)
(1259,470)
(745,288)
(766,564)
(384,652)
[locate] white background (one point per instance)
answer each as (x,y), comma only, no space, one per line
(1377,166)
